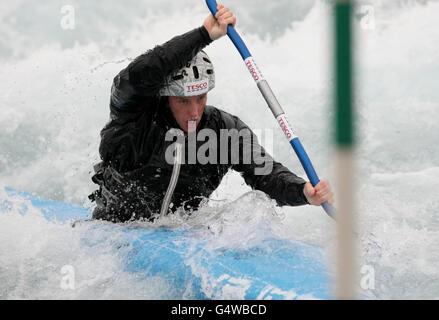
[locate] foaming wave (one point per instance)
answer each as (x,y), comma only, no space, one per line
(31,265)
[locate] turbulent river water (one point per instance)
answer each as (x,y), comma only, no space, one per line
(55,91)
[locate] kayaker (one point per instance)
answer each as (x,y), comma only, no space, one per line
(164,92)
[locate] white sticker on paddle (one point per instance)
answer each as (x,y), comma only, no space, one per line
(253,68)
(286,127)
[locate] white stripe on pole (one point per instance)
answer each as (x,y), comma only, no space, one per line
(346,240)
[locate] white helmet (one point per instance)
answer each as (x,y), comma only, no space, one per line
(195,78)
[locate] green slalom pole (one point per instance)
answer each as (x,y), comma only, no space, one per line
(344,138)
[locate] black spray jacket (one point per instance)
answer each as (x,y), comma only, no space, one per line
(134,174)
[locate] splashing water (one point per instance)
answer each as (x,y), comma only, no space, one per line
(55,94)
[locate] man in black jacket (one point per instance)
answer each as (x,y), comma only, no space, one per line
(153,160)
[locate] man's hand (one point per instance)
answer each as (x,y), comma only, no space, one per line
(320,193)
(218,27)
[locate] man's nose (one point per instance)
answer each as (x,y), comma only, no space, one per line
(194,110)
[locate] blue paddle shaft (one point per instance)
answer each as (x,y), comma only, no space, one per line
(273,104)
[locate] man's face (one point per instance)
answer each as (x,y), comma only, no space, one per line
(187,109)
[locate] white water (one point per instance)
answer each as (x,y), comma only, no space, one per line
(54,97)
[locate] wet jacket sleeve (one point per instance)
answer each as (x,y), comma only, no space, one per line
(261,172)
(139,83)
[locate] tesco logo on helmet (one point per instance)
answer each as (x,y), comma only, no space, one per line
(197,87)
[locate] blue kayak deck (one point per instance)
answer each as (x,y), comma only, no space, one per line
(272,269)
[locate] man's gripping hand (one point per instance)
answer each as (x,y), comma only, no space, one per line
(320,193)
(217,26)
